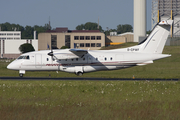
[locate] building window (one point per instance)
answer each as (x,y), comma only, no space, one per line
(54,41)
(92,37)
(76,45)
(93,45)
(2,33)
(81,37)
(9,33)
(98,37)
(16,34)
(87,37)
(68,41)
(98,44)
(81,44)
(87,44)
(76,37)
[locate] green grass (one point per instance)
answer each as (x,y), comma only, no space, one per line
(137,100)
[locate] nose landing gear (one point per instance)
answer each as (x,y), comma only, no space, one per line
(21,73)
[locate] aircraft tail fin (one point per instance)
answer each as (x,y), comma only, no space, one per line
(155,42)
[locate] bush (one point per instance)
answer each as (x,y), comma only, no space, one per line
(26,47)
(64,47)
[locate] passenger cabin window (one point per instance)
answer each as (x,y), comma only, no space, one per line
(24,57)
(47,59)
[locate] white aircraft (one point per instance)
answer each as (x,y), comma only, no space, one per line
(81,61)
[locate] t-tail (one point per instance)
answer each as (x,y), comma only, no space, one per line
(155,42)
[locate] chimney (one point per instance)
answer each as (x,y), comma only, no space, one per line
(34,35)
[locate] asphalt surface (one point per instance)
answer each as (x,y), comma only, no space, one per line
(85,78)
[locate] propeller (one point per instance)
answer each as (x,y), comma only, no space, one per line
(53,57)
(51,53)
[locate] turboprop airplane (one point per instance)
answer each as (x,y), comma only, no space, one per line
(81,61)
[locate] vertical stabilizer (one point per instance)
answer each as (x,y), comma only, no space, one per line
(157,39)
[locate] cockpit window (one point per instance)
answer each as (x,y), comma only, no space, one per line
(27,57)
(24,57)
(20,57)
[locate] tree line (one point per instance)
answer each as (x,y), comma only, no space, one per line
(94,26)
(28,31)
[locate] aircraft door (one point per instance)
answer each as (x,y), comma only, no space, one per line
(38,60)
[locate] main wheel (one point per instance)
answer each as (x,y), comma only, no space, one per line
(79,73)
(20,75)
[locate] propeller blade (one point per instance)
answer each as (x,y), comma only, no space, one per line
(51,53)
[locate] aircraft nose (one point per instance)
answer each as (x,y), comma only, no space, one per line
(11,66)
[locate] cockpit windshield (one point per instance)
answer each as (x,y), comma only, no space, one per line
(23,57)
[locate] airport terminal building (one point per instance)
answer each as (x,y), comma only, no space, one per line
(82,39)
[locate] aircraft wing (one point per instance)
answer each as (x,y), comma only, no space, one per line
(79,52)
(74,53)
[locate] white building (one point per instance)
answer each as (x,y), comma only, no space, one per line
(10,42)
(10,35)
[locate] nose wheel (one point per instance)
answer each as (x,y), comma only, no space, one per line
(20,75)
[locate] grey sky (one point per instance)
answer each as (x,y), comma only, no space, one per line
(70,13)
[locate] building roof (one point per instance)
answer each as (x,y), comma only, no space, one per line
(65,30)
(127,33)
(76,31)
(59,30)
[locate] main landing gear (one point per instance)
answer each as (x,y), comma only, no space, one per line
(79,73)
